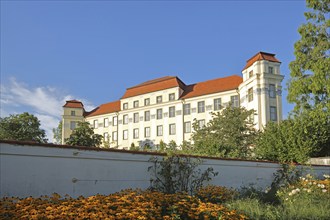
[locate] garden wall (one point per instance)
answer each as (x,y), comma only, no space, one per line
(30,169)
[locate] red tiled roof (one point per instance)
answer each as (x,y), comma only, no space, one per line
(212,86)
(261,56)
(73,104)
(166,82)
(104,109)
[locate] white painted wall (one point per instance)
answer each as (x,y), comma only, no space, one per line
(35,170)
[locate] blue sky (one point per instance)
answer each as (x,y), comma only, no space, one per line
(52,51)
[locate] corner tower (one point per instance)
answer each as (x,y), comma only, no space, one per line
(73,112)
(261,88)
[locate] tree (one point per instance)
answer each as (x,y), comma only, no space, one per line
(57,133)
(309,86)
(84,135)
(229,134)
(22,127)
(294,140)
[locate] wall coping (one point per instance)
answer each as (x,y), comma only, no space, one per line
(60,146)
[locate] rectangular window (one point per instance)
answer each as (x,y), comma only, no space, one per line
(187,127)
(270,69)
(73,113)
(250,94)
(72,125)
(147,116)
(136,104)
(172,129)
(135,133)
(159,130)
(147,132)
(114,136)
(201,123)
(125,106)
(106,136)
(250,73)
(272,91)
(125,119)
(186,109)
(159,99)
(159,113)
(217,104)
(146,101)
(171,111)
(125,134)
(136,117)
(171,97)
(114,120)
(234,101)
(106,122)
(273,113)
(201,106)
(96,124)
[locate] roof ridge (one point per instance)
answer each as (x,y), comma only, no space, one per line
(215,79)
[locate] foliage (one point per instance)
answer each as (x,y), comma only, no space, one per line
(309,86)
(84,135)
(175,174)
(57,133)
(299,198)
(22,127)
(215,194)
(295,140)
(127,204)
(228,134)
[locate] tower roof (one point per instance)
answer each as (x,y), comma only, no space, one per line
(261,56)
(73,104)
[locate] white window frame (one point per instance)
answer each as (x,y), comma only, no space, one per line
(147,116)
(159,130)
(172,129)
(147,132)
(271,70)
(125,119)
(159,99)
(171,112)
(135,133)
(217,104)
(159,113)
(125,134)
(95,124)
(125,105)
(201,123)
(106,122)
(273,113)
(201,106)
(187,127)
(114,120)
(73,125)
(234,101)
(272,91)
(250,94)
(114,136)
(171,97)
(186,109)
(146,101)
(136,117)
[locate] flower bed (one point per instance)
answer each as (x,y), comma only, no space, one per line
(127,204)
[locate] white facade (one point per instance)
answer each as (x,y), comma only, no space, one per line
(165,109)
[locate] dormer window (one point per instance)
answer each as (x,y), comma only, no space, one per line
(271,69)
(125,106)
(250,73)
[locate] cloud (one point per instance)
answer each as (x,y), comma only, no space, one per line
(43,102)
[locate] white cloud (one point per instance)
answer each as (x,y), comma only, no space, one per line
(43,102)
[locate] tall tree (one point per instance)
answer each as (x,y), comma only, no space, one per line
(229,134)
(22,127)
(84,135)
(309,86)
(57,133)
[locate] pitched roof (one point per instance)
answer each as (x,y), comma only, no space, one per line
(104,109)
(212,86)
(166,82)
(261,56)
(73,104)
